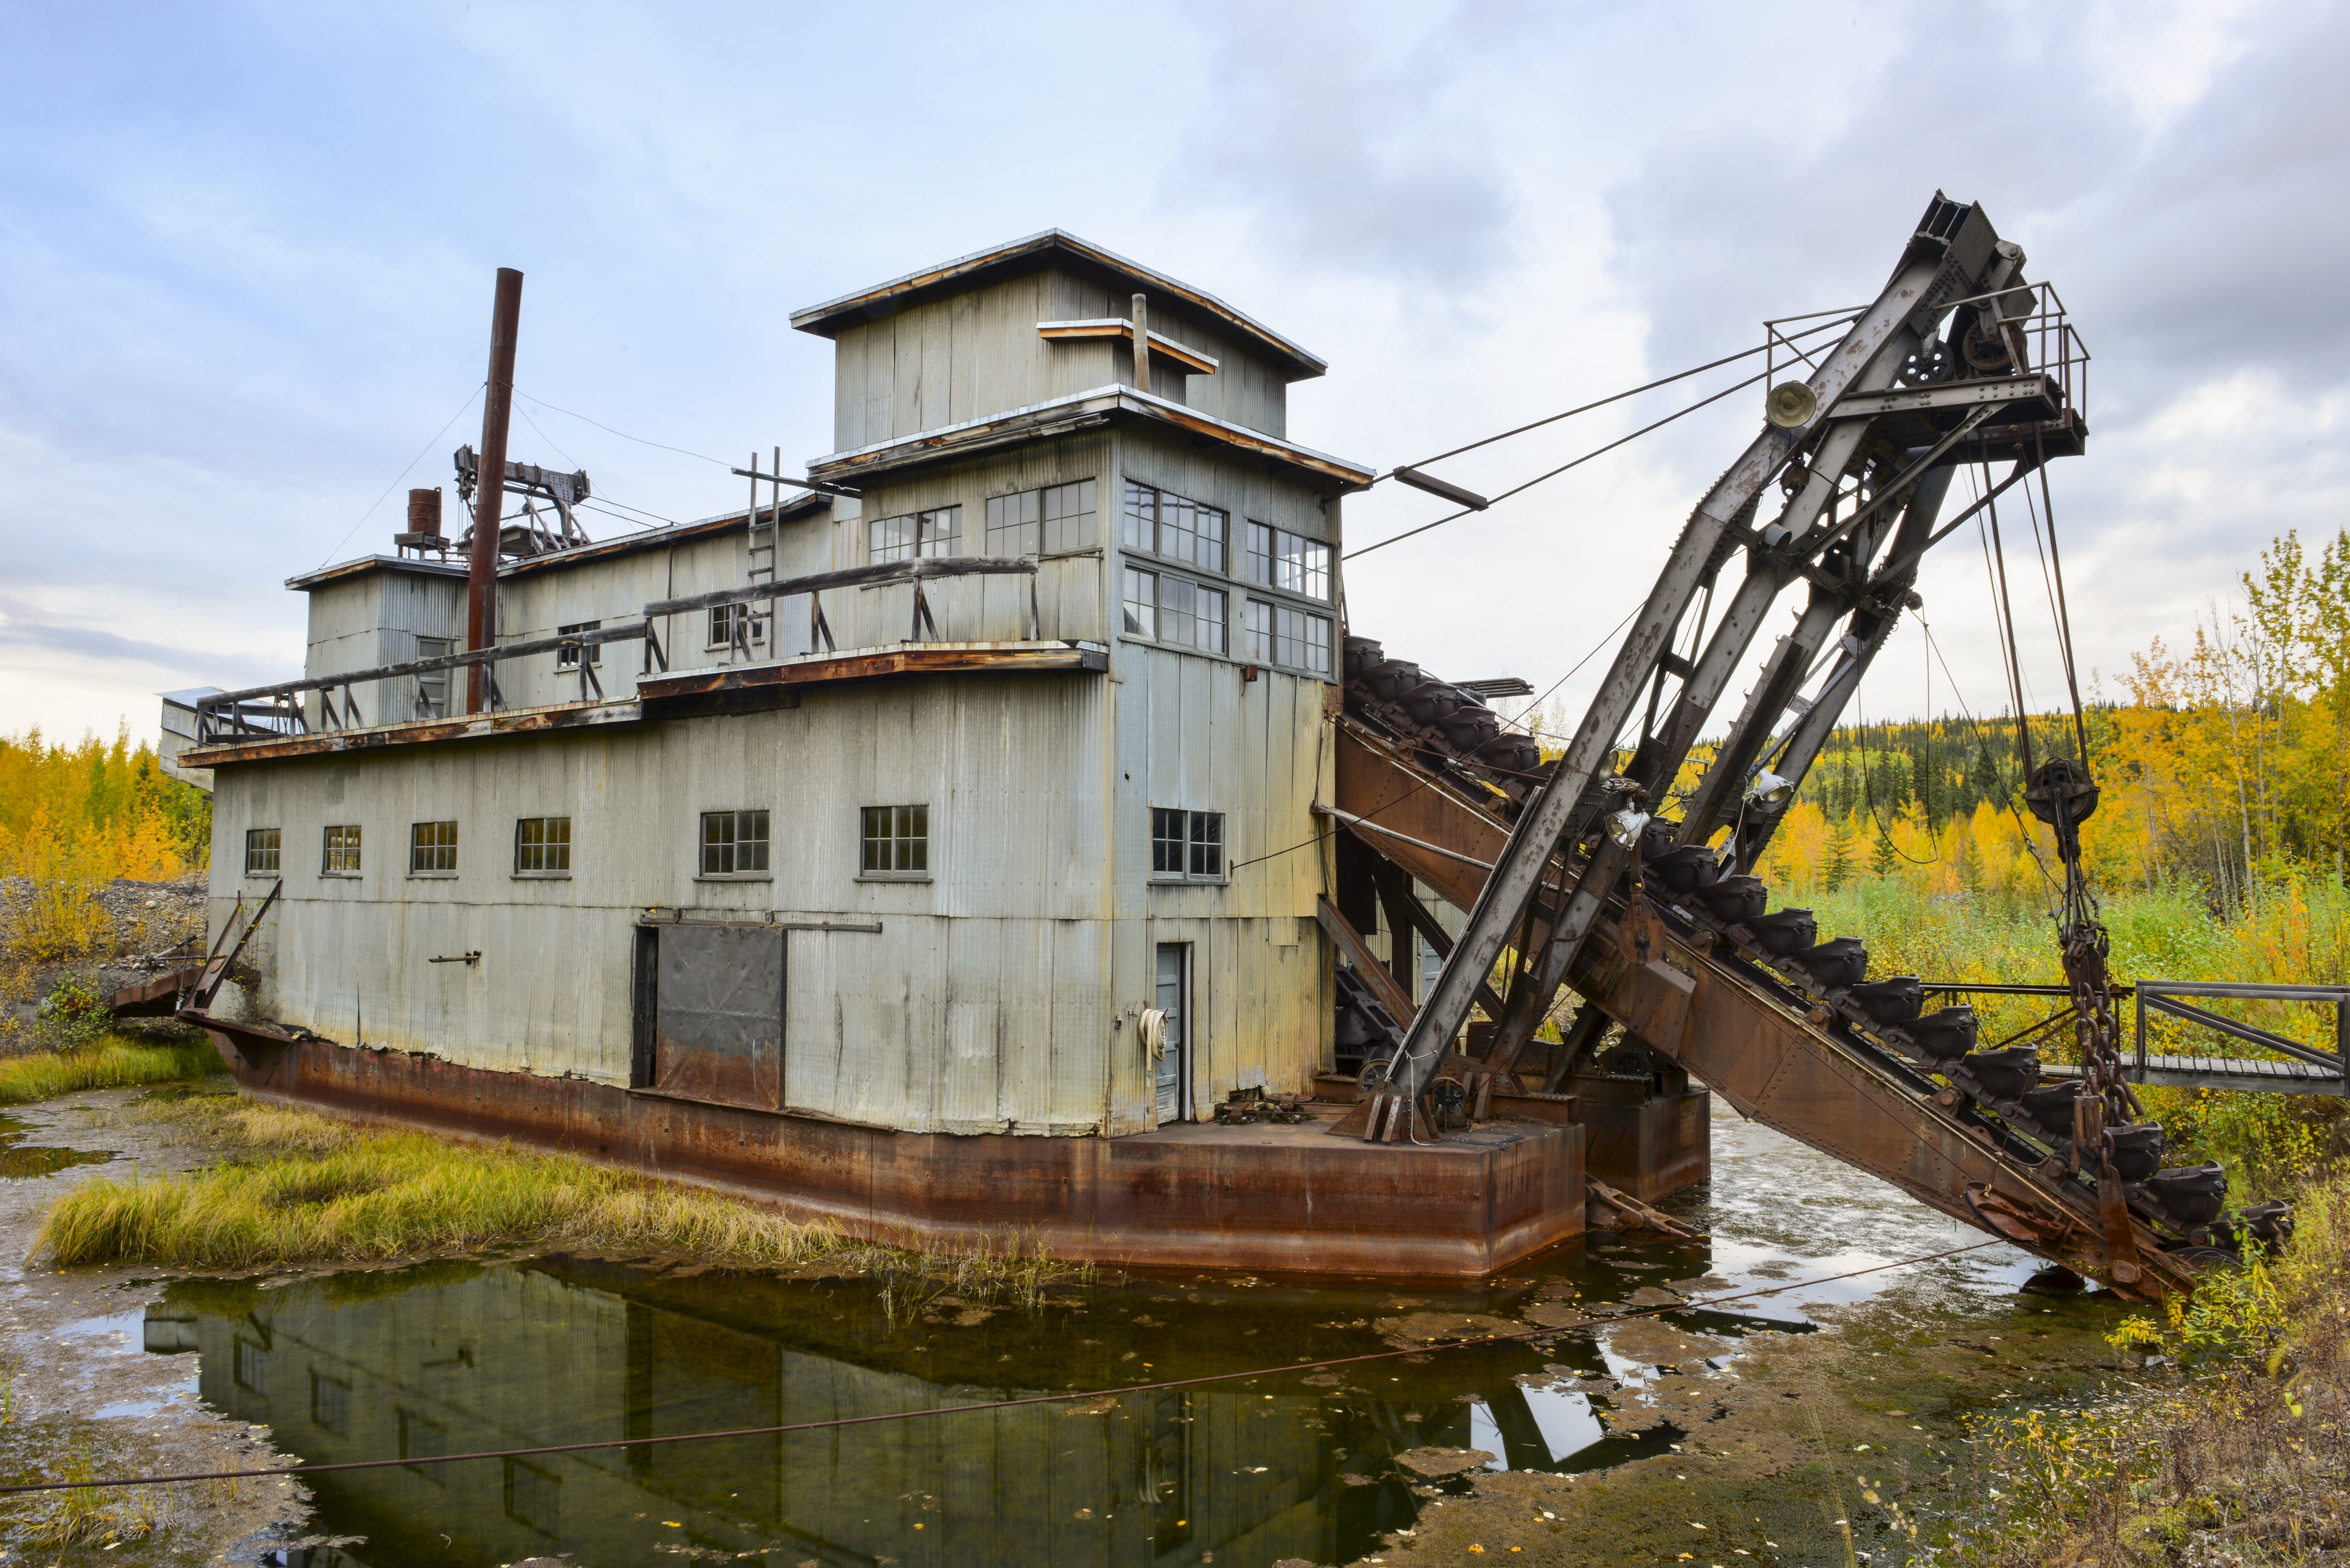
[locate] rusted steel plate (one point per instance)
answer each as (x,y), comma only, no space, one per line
(718,1032)
(156,998)
(1264,1197)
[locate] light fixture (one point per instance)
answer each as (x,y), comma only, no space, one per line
(1624,826)
(1768,788)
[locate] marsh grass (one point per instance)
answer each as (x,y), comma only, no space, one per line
(2236,1454)
(296,1187)
(114,1063)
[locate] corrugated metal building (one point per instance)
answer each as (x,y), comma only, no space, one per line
(1046,852)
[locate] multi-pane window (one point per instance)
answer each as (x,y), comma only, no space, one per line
(1301,641)
(342,850)
(433,685)
(734,843)
(1277,634)
(568,658)
(330,1402)
(1190,615)
(422,1438)
(261,851)
(1256,631)
(897,841)
(431,849)
(1051,522)
(543,847)
(1141,603)
(724,620)
(1186,845)
(1280,560)
(1166,525)
(933,533)
(1174,609)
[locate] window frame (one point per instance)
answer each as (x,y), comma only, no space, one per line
(720,628)
(1287,563)
(1216,540)
(546,844)
(1287,627)
(928,542)
(910,825)
(275,848)
(1167,616)
(568,658)
(735,843)
(1201,830)
(343,840)
(437,845)
(1036,520)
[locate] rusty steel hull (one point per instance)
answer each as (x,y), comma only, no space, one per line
(1650,1145)
(1260,1198)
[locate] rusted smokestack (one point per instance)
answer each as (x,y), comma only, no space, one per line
(490,483)
(424,512)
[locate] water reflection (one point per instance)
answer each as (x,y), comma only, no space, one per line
(456,1358)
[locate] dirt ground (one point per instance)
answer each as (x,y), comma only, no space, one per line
(83,1397)
(149,920)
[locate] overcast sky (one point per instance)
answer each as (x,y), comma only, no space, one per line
(247,258)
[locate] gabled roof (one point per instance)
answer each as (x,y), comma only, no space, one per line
(887,298)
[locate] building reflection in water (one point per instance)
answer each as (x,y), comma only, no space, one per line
(460,1358)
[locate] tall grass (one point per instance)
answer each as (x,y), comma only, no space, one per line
(115,1063)
(2298,935)
(299,1187)
(306,1188)
(2236,1456)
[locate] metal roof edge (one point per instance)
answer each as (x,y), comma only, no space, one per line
(601,550)
(816,319)
(1115,393)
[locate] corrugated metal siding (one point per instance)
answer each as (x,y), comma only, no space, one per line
(978,353)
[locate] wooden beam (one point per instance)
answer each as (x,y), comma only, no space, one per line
(1422,919)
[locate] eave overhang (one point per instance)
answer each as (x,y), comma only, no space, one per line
(1068,415)
(883,300)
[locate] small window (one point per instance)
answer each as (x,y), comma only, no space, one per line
(422,1438)
(1169,524)
(543,847)
(1069,517)
(1186,845)
(432,849)
(261,851)
(1190,615)
(724,619)
(330,1402)
(535,1497)
(1292,562)
(342,851)
(1053,521)
(432,693)
(249,1365)
(1256,631)
(1138,524)
(1141,603)
(938,531)
(897,841)
(734,843)
(568,658)
(1301,641)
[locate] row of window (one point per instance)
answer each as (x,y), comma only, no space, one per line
(542,848)
(1174,609)
(893,841)
(1059,518)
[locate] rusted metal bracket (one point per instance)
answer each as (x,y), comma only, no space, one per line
(468,959)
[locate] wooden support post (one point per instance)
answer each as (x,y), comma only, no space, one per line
(1141,343)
